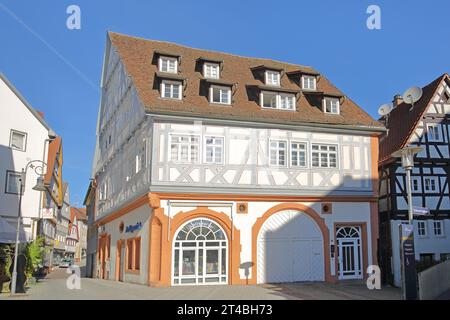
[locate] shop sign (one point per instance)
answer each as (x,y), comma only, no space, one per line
(133,228)
(47,213)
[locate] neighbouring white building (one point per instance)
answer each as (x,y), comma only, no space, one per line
(212,168)
(426,125)
(24,136)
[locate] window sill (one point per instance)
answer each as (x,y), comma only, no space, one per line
(133,271)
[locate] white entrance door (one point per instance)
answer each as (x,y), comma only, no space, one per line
(290,249)
(349,253)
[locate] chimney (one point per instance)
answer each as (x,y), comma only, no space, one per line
(40,113)
(398,99)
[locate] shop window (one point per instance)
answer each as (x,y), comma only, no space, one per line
(133,254)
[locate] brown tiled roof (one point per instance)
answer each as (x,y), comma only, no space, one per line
(138,57)
(402,122)
(80,213)
(53,149)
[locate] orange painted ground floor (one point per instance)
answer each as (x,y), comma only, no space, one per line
(181,239)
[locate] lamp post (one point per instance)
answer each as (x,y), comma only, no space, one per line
(406,234)
(38,187)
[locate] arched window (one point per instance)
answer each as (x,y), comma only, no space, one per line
(348,232)
(201,229)
(200,253)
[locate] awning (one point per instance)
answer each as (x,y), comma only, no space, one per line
(8,233)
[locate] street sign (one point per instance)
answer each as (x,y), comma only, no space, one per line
(408,258)
(419,211)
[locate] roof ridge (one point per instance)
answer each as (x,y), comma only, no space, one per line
(211,51)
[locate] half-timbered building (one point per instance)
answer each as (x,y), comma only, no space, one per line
(426,124)
(213,168)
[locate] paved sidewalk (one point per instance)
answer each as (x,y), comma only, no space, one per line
(54,288)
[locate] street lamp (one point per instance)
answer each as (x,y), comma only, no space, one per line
(407,155)
(406,233)
(38,169)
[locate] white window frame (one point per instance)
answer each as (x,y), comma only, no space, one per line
(210,65)
(418,180)
(338,106)
(221,88)
(277,150)
(141,157)
(431,179)
(441,228)
(432,129)
(18,176)
(214,146)
(328,157)
(169,59)
(305,144)
(306,82)
(25,136)
(425,228)
(278,96)
(272,78)
(172,83)
(190,145)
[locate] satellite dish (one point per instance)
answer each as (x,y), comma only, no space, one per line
(385,109)
(412,95)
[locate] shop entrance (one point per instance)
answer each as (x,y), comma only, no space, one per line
(200,254)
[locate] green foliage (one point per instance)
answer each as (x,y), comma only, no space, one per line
(35,252)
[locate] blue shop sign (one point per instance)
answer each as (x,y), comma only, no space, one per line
(133,228)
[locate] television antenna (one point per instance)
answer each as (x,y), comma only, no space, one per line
(412,95)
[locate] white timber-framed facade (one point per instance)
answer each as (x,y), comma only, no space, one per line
(187,192)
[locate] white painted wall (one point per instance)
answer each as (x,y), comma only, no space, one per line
(15,115)
(429,244)
(342,212)
(141,214)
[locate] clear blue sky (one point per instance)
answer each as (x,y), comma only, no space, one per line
(370,66)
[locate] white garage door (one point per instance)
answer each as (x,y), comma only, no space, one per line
(290,249)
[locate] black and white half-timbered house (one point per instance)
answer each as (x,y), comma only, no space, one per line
(427,125)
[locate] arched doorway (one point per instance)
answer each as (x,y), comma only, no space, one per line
(200,254)
(290,249)
(349,252)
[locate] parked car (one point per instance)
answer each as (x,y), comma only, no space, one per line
(65,263)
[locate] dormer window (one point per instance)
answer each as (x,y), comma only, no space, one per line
(331,105)
(274,100)
(171,89)
(272,78)
(211,70)
(220,94)
(168,64)
(308,82)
